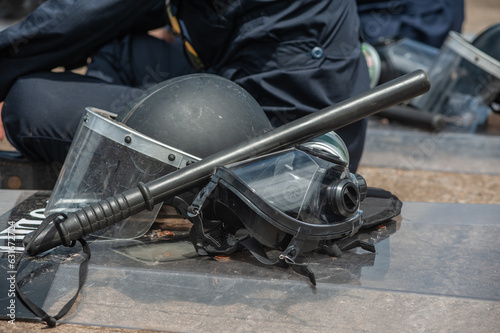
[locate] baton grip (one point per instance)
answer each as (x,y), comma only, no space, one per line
(87,220)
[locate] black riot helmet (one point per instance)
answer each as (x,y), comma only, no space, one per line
(200,114)
(172,124)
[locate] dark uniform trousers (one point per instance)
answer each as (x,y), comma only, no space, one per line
(427,21)
(294,57)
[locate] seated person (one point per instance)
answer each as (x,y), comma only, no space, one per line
(294,58)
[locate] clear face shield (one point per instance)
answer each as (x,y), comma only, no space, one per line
(107,158)
(464,81)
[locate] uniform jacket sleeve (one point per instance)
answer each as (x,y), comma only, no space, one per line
(61,32)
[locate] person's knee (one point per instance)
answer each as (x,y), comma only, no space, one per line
(16,109)
(28,122)
(42,111)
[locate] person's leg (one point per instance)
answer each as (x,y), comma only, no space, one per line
(42,111)
(139,60)
(2,131)
(60,32)
(426,21)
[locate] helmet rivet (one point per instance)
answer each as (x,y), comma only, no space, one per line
(171,157)
(128,139)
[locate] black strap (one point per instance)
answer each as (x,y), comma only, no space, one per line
(214,241)
(211,242)
(35,309)
(337,247)
(252,245)
(286,259)
(218,241)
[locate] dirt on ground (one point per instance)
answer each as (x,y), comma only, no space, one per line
(432,186)
(480,14)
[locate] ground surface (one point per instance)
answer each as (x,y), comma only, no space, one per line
(408,185)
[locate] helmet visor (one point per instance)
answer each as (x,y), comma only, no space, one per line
(107,158)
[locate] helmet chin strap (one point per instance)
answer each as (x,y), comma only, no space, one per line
(34,308)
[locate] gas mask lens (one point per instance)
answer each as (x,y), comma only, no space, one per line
(310,183)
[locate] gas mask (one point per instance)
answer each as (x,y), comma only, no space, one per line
(296,200)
